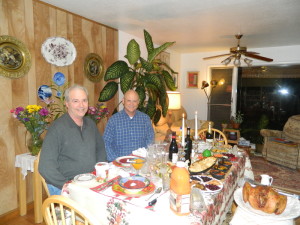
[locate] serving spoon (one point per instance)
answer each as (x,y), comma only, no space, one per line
(157,191)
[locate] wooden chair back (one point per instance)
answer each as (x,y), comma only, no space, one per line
(217,134)
(58,209)
(36,166)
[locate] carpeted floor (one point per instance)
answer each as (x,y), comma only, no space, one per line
(282,176)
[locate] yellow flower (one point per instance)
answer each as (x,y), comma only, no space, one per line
(33,108)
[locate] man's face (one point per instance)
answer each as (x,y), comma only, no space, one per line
(77,104)
(131,103)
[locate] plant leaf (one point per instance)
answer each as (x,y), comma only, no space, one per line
(157,116)
(148,42)
(126,81)
(150,108)
(142,95)
(133,52)
(108,92)
(146,65)
(169,80)
(156,51)
(154,79)
(116,70)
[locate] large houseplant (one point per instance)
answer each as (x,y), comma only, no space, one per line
(150,78)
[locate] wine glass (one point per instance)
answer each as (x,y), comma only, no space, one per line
(137,164)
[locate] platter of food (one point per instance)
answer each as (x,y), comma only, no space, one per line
(292,209)
(203,165)
(207,184)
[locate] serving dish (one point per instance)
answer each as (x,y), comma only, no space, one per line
(207,184)
(291,211)
(202,166)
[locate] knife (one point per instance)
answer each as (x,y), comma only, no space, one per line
(107,184)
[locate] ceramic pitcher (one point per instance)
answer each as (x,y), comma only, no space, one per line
(266,179)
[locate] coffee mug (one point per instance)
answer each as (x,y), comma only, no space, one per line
(266,179)
(102,169)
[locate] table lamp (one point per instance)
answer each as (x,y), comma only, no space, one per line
(174,104)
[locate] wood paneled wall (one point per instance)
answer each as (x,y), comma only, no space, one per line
(32,22)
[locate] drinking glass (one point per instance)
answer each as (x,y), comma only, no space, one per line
(137,164)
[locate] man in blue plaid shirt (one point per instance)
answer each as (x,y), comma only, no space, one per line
(128,129)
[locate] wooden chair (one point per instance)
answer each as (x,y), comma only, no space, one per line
(36,166)
(58,209)
(215,132)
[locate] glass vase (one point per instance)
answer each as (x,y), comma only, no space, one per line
(34,144)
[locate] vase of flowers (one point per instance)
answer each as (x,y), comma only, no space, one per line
(98,112)
(36,120)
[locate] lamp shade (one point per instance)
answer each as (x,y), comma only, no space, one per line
(174,99)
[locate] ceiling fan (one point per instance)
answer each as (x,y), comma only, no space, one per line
(237,52)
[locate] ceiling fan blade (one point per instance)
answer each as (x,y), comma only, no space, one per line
(211,57)
(256,53)
(258,57)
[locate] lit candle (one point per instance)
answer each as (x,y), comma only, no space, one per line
(196,125)
(182,139)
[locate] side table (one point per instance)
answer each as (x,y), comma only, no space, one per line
(226,131)
(23,163)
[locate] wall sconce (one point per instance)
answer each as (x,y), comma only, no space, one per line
(174,104)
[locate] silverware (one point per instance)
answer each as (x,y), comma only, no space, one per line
(107,184)
(153,202)
(157,191)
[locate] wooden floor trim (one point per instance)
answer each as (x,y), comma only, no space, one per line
(13,214)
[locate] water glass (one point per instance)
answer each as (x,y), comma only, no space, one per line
(197,204)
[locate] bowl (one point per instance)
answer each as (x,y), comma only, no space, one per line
(202,166)
(217,174)
(133,184)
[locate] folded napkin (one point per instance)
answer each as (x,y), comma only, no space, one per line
(142,152)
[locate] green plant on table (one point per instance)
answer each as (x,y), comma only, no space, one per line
(238,117)
(150,78)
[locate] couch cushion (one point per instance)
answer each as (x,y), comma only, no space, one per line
(291,129)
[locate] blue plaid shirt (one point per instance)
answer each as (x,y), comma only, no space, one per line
(122,134)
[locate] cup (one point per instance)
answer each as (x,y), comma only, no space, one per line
(197,203)
(102,169)
(266,179)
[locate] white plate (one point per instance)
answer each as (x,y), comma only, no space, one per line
(84,177)
(207,191)
(291,211)
(58,51)
(125,160)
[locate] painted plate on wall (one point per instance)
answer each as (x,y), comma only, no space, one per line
(58,51)
(44,92)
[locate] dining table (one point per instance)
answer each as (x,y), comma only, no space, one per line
(111,205)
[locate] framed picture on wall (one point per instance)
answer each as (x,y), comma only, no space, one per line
(175,79)
(192,79)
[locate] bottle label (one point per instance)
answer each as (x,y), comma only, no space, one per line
(180,204)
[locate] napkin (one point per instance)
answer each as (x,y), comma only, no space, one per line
(142,152)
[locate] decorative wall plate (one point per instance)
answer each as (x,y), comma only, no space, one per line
(93,67)
(58,51)
(15,59)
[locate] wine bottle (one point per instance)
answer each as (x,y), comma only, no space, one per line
(173,146)
(188,145)
(209,134)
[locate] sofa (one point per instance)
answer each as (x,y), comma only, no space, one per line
(283,147)
(161,128)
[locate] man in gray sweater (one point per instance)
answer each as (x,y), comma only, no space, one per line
(73,144)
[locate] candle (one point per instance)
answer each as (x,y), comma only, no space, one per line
(182,139)
(196,125)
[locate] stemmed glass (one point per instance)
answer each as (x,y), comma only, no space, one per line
(137,164)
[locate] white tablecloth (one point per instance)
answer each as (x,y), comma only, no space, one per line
(25,162)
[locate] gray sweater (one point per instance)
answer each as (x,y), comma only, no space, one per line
(68,151)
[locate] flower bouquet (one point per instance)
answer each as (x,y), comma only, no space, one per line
(98,112)
(36,120)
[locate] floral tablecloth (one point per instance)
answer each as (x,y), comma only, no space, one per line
(112,208)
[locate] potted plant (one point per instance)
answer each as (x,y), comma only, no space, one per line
(224,124)
(237,119)
(150,78)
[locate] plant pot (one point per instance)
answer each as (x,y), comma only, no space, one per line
(224,125)
(34,144)
(235,125)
